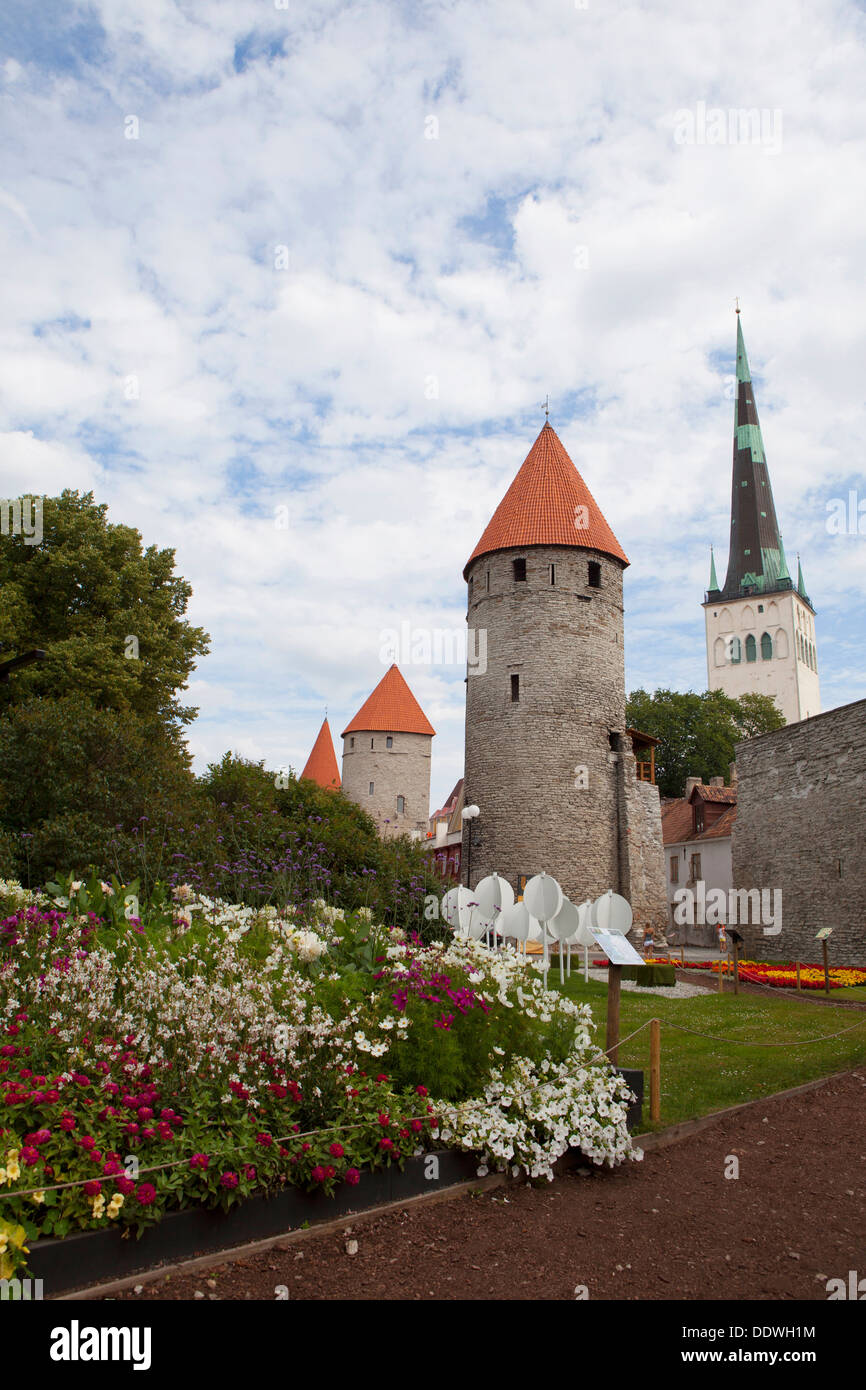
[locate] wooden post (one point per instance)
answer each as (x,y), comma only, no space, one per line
(655,1071)
(798,975)
(683,956)
(614,979)
(736,967)
(826,968)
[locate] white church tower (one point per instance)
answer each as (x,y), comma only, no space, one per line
(760,628)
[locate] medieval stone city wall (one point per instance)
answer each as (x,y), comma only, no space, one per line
(801,828)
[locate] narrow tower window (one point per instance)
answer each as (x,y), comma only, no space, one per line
(766,646)
(520,569)
(389,742)
(751,648)
(515,689)
(371,743)
(488,581)
(594,574)
(553,574)
(371,789)
(401,805)
(351,743)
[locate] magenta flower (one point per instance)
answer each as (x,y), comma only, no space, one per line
(336,1150)
(199,1161)
(353,1176)
(145,1193)
(229,1179)
(92,1188)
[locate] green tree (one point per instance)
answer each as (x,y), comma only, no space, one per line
(698,733)
(108,613)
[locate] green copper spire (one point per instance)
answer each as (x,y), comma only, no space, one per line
(801,585)
(714,583)
(756,559)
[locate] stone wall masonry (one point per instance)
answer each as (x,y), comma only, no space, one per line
(801,828)
(403,770)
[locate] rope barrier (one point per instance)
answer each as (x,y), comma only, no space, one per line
(747,1042)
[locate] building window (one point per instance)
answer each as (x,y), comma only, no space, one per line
(736,650)
(675,869)
(371,789)
(699,818)
(751,648)
(351,743)
(401,805)
(695,868)
(515,689)
(488,581)
(371,743)
(766,646)
(519,570)
(389,742)
(594,579)
(553,574)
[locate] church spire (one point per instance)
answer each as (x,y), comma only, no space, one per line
(756,559)
(714,583)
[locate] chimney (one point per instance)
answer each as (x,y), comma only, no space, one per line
(717,781)
(732,768)
(691,783)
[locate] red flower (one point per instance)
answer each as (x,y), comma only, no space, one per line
(145,1193)
(318,1173)
(422,1090)
(229,1179)
(29,1156)
(417,1124)
(386,1143)
(337,1150)
(125,1185)
(265,1140)
(384,1120)
(92,1188)
(353,1176)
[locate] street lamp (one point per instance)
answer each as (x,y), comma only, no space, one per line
(469,813)
(16,662)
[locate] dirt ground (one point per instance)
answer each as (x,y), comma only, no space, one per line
(672,1226)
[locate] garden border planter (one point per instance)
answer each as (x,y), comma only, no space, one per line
(84,1259)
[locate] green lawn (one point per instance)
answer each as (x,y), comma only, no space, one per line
(699,1075)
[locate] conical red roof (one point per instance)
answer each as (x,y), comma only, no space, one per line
(322,763)
(541,507)
(391,707)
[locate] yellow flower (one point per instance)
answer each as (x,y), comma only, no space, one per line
(4,1241)
(12,1154)
(2,1176)
(38,1197)
(13,1172)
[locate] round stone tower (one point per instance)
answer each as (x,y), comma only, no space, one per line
(548,761)
(386,758)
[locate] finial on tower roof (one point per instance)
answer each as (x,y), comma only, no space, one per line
(737,302)
(547,407)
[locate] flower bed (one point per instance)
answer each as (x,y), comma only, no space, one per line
(146,1068)
(779,976)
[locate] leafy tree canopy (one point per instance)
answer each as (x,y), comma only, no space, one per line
(698,733)
(108,613)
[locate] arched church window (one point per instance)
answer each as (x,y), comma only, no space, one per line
(719,652)
(751,648)
(781,643)
(766,646)
(735,649)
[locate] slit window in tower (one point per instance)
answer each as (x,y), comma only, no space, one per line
(371,743)
(751,648)
(553,574)
(594,579)
(351,743)
(401,805)
(515,689)
(371,789)
(520,570)
(488,581)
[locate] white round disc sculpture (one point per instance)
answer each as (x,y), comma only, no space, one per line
(456,908)
(584,931)
(612,912)
(543,897)
(515,922)
(565,924)
(493,895)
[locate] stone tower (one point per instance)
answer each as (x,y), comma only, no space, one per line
(386,758)
(760,628)
(548,758)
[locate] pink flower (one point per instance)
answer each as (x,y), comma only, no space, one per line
(422,1090)
(353,1176)
(145,1193)
(199,1161)
(249,1172)
(67,1122)
(384,1120)
(29,1156)
(92,1188)
(336,1150)
(386,1143)
(318,1173)
(229,1179)
(125,1185)
(265,1140)
(111,1167)
(417,1124)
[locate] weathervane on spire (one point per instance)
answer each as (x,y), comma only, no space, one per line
(737,302)
(547,407)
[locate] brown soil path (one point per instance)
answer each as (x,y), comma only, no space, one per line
(670,1227)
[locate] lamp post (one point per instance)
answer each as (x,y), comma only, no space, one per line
(469,813)
(16,662)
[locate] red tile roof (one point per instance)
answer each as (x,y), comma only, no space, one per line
(540,506)
(704,793)
(678,823)
(391,707)
(321,765)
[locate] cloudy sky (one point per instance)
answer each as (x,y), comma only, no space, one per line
(286,282)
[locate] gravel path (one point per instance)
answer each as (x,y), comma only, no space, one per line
(672,1226)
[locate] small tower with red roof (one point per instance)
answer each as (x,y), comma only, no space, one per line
(321,765)
(548,757)
(386,758)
